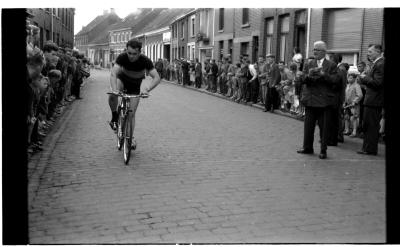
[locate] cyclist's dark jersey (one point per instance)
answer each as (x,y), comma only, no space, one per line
(137,69)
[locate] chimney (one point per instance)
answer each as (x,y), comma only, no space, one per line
(112,10)
(105,12)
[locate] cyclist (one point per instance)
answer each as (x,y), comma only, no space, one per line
(127,74)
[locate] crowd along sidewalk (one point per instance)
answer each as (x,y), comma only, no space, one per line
(256,105)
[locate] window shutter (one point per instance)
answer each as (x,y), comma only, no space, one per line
(344,29)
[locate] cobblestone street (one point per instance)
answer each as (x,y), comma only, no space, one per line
(206,170)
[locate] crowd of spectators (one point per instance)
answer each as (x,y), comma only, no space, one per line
(54,76)
(276,85)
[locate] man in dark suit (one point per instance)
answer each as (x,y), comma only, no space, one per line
(185,72)
(319,81)
(197,73)
(373,101)
(335,119)
(273,79)
(214,75)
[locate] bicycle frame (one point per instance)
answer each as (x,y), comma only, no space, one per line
(124,124)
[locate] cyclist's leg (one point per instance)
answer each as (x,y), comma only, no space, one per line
(113,103)
(133,106)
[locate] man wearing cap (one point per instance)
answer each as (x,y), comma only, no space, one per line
(273,79)
(373,102)
(318,95)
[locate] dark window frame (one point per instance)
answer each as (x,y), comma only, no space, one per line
(221,19)
(245,16)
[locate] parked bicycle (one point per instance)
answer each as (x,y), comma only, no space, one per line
(124,132)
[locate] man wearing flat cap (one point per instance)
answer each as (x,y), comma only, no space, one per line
(273,79)
(318,96)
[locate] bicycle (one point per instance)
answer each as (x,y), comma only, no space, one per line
(124,131)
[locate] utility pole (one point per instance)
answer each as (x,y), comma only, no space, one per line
(308,31)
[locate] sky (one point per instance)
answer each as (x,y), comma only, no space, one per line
(84,15)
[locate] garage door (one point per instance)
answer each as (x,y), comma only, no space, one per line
(344,29)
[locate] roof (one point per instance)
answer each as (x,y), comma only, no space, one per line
(102,37)
(132,19)
(96,21)
(164,19)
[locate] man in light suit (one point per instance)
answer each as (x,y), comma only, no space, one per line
(318,96)
(373,101)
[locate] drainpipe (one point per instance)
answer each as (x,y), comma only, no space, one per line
(356,59)
(51,14)
(308,31)
(213,23)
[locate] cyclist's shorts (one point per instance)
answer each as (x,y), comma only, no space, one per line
(131,86)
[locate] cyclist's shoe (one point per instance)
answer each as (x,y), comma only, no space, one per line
(113,125)
(133,143)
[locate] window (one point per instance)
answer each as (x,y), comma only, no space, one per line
(221,19)
(182,29)
(193,25)
(221,50)
(268,35)
(245,16)
(244,48)
(41,38)
(201,21)
(230,47)
(284,31)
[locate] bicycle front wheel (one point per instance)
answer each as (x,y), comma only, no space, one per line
(127,141)
(120,136)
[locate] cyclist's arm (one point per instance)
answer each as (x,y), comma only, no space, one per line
(156,80)
(113,78)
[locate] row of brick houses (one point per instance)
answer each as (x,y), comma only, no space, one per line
(55,24)
(215,33)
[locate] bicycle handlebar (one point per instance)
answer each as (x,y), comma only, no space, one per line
(124,95)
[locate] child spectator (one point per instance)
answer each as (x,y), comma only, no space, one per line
(352,107)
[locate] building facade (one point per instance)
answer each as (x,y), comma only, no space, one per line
(216,33)
(347,31)
(183,31)
(205,35)
(247,23)
(156,44)
(85,38)
(283,30)
(55,24)
(224,33)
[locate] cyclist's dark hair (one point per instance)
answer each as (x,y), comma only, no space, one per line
(134,43)
(50,46)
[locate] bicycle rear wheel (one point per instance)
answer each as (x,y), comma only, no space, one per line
(127,141)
